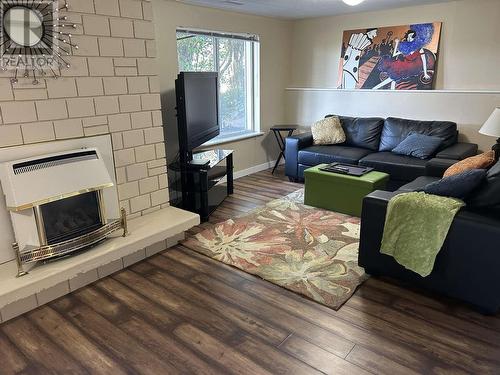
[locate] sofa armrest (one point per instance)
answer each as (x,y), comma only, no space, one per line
(436,167)
(293,145)
(379,197)
(299,141)
(372,225)
(458,151)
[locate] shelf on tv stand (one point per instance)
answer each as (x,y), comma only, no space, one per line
(202,188)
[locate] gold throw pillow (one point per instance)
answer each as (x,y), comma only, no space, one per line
(481,161)
(328,131)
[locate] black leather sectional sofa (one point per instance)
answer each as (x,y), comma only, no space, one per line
(369,142)
(467,265)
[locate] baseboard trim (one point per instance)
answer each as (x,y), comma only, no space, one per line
(254,169)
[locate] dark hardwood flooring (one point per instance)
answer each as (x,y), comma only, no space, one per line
(181,313)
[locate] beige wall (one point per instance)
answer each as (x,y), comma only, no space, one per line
(468,60)
(111,88)
(275,36)
(305,53)
(469,49)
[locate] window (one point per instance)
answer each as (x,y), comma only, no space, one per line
(236,58)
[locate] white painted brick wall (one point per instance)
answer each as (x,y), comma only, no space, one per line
(111,88)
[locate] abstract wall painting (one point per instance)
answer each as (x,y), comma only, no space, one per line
(390,58)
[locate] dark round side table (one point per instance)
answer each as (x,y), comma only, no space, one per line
(278,131)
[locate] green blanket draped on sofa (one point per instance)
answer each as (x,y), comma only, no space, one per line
(416,227)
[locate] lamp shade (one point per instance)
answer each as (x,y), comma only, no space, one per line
(492,126)
(353,2)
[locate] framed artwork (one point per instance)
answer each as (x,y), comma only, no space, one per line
(390,58)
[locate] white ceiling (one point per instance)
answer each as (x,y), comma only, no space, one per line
(296,9)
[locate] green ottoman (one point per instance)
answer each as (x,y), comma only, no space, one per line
(339,192)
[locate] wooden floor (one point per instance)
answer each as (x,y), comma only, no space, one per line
(179,312)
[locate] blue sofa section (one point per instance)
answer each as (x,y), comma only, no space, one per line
(369,142)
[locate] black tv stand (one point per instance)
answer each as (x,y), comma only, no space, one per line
(198,163)
(202,187)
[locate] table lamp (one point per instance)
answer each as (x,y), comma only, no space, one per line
(492,128)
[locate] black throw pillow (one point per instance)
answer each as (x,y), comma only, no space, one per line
(457,186)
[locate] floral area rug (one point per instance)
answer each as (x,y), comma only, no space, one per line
(310,251)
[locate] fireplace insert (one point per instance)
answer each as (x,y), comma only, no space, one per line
(57,204)
(72,217)
(70,224)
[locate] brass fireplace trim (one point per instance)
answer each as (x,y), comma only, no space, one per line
(123,219)
(69,246)
(40,226)
(20,271)
(59,197)
(102,207)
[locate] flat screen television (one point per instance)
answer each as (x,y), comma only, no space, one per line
(197,110)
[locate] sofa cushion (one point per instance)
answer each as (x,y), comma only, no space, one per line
(328,131)
(481,161)
(362,132)
(418,146)
(396,130)
(487,197)
(436,166)
(457,186)
(400,167)
(418,184)
(315,155)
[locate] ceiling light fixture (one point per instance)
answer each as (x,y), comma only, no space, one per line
(353,2)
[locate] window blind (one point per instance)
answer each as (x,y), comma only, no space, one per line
(219,34)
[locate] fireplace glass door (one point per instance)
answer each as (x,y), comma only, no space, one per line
(71,217)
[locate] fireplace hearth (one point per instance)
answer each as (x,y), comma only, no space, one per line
(59,181)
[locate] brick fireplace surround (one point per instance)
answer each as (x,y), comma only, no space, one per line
(111,88)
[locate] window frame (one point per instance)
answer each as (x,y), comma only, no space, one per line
(252,53)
